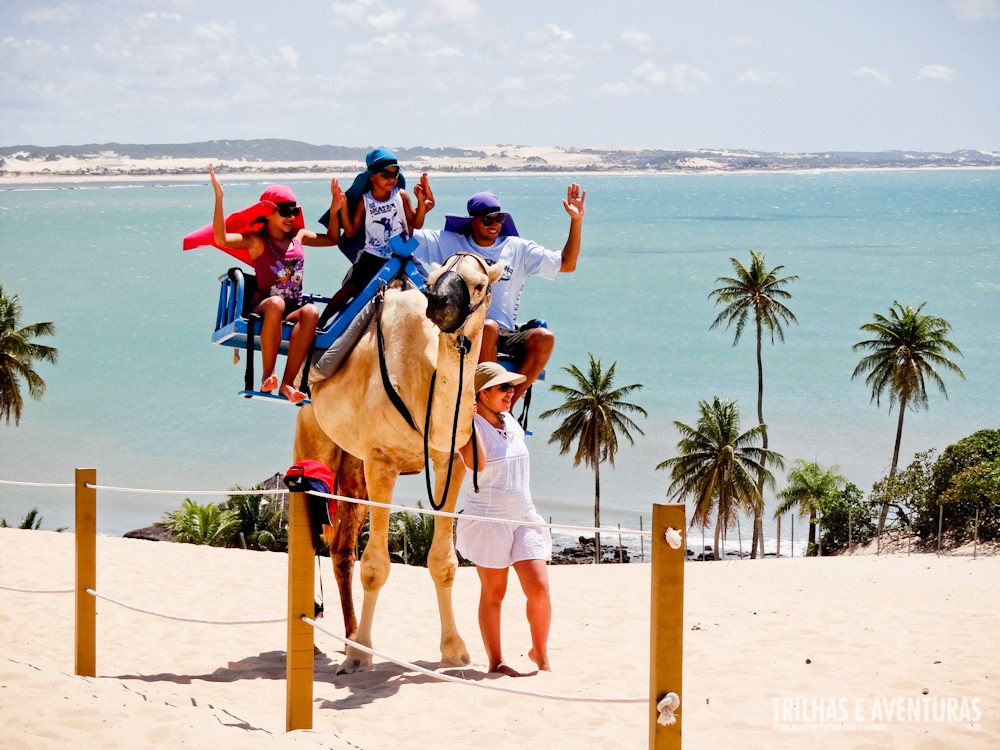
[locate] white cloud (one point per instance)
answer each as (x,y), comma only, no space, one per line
(53,14)
(441,53)
(514,83)
(622,88)
(215,31)
(452,11)
(936,73)
(874,75)
(976,10)
(364,13)
(651,74)
(153,17)
(288,56)
(680,77)
(560,33)
(634,38)
(756,76)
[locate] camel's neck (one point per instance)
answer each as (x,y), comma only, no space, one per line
(453,368)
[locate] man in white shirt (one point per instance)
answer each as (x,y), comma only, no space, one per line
(490,233)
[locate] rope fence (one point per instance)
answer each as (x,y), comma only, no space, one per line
(355,501)
(666,606)
(178,618)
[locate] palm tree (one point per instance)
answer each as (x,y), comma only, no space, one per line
(594,414)
(202,524)
(18,354)
(905,348)
(755,291)
(260,521)
(30,520)
(719,466)
(808,485)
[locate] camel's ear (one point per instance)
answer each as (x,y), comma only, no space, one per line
(495,272)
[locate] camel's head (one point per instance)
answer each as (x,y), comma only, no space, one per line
(458,289)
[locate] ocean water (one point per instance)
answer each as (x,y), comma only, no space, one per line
(140,394)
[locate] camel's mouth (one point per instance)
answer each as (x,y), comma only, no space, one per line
(448,302)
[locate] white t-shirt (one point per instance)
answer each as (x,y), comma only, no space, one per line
(383,221)
(521,258)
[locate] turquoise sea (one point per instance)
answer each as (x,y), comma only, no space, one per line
(141,395)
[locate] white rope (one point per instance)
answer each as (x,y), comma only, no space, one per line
(445,514)
(35,484)
(485,685)
(666,707)
(108,488)
(37,591)
(357,501)
(181,619)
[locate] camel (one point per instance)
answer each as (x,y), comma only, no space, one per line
(352,421)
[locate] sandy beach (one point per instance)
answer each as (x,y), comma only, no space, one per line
(775,653)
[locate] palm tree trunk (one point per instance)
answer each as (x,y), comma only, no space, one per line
(757,544)
(884,513)
(812,532)
(718,534)
(597,502)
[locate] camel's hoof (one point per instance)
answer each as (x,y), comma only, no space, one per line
(355,661)
(460,660)
(352,666)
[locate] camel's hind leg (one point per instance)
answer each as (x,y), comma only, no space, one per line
(312,442)
(442,563)
(380,478)
(343,536)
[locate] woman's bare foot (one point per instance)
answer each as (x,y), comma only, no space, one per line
(269,383)
(291,394)
(506,670)
(543,664)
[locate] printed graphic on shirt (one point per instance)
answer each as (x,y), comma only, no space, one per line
(289,279)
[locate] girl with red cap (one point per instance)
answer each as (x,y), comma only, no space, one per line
(269,236)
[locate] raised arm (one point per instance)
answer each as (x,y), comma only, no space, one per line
(575,205)
(222,238)
(350,222)
(332,236)
(425,202)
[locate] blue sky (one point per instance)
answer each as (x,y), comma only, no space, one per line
(777,76)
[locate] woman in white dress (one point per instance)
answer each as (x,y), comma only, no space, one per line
(503,473)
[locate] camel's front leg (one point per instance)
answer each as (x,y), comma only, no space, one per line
(380,478)
(442,563)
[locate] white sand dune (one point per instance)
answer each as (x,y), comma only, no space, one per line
(863,631)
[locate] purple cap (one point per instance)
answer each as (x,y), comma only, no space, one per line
(481,204)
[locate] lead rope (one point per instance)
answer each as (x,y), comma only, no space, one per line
(463,345)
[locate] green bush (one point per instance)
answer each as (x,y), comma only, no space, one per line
(209,524)
(846,517)
(964,480)
(261,522)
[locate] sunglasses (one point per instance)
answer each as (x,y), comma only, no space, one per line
(286,211)
(389,174)
(505,387)
(497,218)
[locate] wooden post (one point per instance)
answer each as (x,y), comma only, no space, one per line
(86,573)
(301,586)
(666,638)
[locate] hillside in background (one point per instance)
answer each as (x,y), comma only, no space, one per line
(277,155)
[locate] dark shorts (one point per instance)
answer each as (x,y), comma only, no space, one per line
(511,343)
(364,270)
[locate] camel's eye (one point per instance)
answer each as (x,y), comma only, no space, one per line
(480,287)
